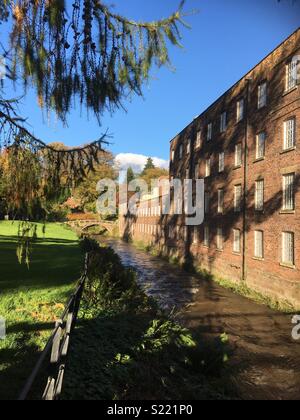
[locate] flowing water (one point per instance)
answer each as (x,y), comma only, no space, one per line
(265,361)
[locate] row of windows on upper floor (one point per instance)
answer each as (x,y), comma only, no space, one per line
(288,196)
(289,143)
(181,233)
(291,83)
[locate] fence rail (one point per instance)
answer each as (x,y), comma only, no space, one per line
(58,346)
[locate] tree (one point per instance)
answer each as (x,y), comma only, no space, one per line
(149,165)
(130,175)
(68,51)
(86,192)
(153,174)
(83,49)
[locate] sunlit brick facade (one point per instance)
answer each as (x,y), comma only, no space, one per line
(246,147)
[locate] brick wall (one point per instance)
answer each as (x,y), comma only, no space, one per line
(267,274)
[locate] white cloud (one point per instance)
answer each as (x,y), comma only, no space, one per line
(138,162)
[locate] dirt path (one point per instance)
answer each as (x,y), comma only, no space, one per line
(265,360)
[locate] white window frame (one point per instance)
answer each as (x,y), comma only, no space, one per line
(262,95)
(288,181)
(181,151)
(288,248)
(238,197)
(195,235)
(221,162)
(223,122)
(198,139)
(261,145)
(221,196)
(240,110)
(172,155)
(289,140)
(188,147)
(259,194)
(291,75)
(209,131)
(237,241)
(238,158)
(206,236)
(259,244)
(208,168)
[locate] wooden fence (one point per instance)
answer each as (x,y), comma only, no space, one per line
(58,346)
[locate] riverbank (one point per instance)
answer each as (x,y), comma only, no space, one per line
(263,358)
(32,299)
(239,288)
(126,348)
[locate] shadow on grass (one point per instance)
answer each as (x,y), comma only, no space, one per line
(17,362)
(54,262)
(28,300)
(114,357)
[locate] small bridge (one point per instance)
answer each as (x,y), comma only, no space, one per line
(84,225)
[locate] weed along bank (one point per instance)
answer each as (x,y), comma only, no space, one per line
(245,147)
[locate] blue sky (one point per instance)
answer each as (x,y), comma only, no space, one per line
(228,37)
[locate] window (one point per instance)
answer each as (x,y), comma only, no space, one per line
(240,110)
(172,156)
(220,239)
(188,148)
(220,201)
(209,131)
(289,134)
(236,241)
(206,202)
(258,244)
(238,155)
(288,248)
(237,198)
(185,233)
(260,145)
(206,236)
(291,75)
(223,122)
(221,162)
(259,195)
(198,139)
(180,152)
(208,167)
(197,170)
(289,192)
(262,95)
(195,235)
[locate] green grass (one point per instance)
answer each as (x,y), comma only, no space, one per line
(32,299)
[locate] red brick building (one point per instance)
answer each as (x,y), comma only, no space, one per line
(246,147)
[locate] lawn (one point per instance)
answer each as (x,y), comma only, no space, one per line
(32,299)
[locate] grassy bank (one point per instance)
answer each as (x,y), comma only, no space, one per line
(125,348)
(238,288)
(31,299)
